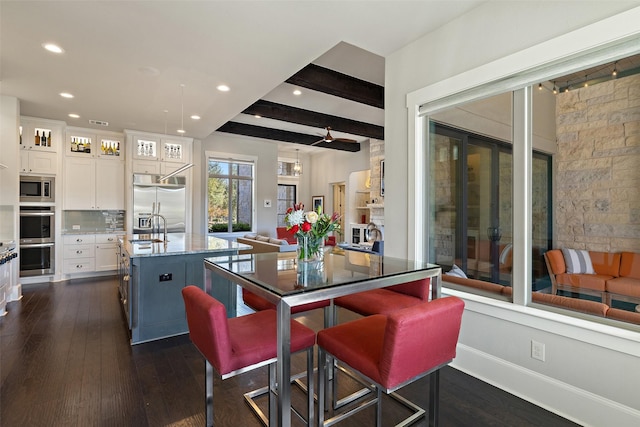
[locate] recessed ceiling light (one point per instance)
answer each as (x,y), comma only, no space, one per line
(53,47)
(297,92)
(195,117)
(257,116)
(181,131)
(74,116)
(223,88)
(66,95)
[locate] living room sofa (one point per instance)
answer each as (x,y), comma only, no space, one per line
(616,275)
(264,244)
(584,306)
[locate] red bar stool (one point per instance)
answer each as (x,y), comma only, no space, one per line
(258,303)
(386,300)
(241,344)
(376,301)
(391,351)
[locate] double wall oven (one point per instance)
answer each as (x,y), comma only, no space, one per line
(37,240)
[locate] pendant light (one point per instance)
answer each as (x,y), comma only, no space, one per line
(181,130)
(297,166)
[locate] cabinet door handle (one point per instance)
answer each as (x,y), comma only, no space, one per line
(78,252)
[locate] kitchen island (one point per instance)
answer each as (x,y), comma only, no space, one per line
(153,272)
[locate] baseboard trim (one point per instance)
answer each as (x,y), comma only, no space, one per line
(572,403)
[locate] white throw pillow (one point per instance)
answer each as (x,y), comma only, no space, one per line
(457,272)
(577,261)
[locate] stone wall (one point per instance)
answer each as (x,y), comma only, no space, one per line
(597,179)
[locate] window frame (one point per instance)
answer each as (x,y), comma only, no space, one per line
(605,41)
(230,158)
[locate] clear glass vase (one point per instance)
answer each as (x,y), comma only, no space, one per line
(310,248)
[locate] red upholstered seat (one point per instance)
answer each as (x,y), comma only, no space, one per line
(386,300)
(392,349)
(258,303)
(283,233)
(236,345)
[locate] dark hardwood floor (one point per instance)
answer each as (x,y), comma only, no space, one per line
(66,361)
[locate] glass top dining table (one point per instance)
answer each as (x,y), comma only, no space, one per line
(281,279)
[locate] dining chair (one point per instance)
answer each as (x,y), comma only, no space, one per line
(240,344)
(391,351)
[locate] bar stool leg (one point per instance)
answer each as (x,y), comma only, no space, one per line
(273,403)
(322,397)
(434,398)
(310,400)
(208,375)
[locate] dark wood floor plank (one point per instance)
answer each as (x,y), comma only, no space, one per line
(66,361)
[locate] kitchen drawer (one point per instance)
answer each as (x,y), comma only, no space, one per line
(79,251)
(72,239)
(79,265)
(106,238)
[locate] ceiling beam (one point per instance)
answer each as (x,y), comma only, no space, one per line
(334,83)
(285,136)
(272,110)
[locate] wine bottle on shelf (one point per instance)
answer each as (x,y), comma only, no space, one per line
(87,146)
(49,139)
(80,146)
(74,145)
(116,150)
(37,140)
(43,140)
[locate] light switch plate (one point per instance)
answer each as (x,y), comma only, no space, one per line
(267,203)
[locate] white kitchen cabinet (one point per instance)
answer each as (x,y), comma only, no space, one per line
(175,151)
(38,162)
(80,143)
(145,147)
(93,184)
(86,143)
(106,252)
(31,127)
(150,167)
(87,253)
(41,157)
(78,253)
(109,185)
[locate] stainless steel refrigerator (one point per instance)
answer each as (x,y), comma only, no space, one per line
(167,199)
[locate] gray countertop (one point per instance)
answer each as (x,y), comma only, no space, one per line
(178,244)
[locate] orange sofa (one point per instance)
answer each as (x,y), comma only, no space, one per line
(584,306)
(617,276)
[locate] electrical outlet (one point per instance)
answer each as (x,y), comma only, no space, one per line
(537,350)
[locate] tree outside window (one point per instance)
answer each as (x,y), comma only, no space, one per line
(230,196)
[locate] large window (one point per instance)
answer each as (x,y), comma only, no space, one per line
(286,199)
(514,176)
(230,196)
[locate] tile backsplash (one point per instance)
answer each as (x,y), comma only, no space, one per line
(92,221)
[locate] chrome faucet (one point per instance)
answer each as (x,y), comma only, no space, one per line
(164,222)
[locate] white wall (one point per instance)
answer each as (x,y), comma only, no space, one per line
(9,157)
(265,181)
(333,166)
(319,171)
(590,374)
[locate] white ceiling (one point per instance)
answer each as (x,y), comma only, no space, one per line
(125,61)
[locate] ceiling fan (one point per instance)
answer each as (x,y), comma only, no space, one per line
(329,138)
